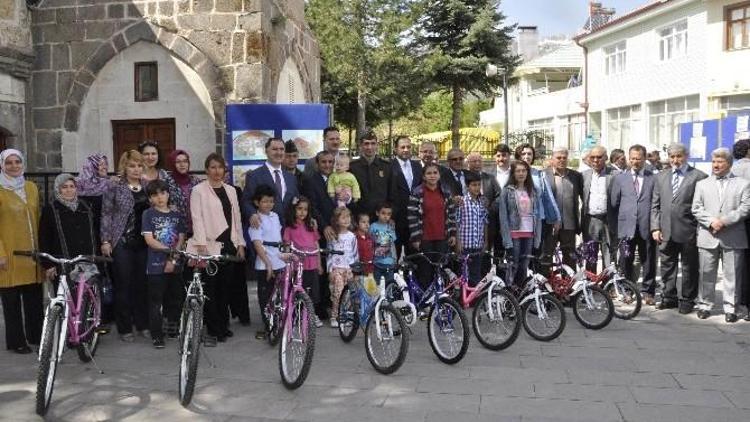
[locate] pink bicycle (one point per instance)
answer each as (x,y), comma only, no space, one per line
(71,319)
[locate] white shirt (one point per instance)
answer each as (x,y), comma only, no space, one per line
(598,193)
(406,169)
(639,176)
(502,175)
(273,169)
(346,243)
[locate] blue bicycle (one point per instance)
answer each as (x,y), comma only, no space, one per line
(386,332)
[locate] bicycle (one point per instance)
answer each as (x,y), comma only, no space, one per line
(191,319)
(592,307)
(624,293)
(290,315)
(447,323)
(71,319)
(543,315)
(386,331)
(495,318)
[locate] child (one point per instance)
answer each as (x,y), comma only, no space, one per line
(384,236)
(364,242)
(162,228)
(342,185)
(302,232)
(339,266)
(472,220)
(266,238)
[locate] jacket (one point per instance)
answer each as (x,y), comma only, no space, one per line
(732,208)
(117,204)
(416,214)
(674,216)
(77,227)
(19,227)
(510,219)
(262,176)
(374,179)
(208,217)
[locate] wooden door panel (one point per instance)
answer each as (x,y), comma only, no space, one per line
(128,134)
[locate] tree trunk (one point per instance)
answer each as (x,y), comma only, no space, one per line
(456,117)
(361,105)
(390,137)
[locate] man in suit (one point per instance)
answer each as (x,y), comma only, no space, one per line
(453,177)
(631,197)
(618,161)
(741,168)
(427,153)
(673,227)
(501,175)
(567,189)
(291,159)
(597,218)
(373,175)
(406,174)
(270,173)
(721,204)
(331,143)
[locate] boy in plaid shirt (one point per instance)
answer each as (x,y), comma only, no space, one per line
(472,220)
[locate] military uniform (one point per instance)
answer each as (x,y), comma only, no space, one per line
(374,179)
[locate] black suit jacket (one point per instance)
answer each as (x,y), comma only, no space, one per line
(316,190)
(447,180)
(577,181)
(399,193)
(490,188)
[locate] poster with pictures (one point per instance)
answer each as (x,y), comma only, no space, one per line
(308,142)
(249,144)
(238,173)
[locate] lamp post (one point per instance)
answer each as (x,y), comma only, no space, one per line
(493,70)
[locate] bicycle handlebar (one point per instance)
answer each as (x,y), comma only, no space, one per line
(63,261)
(190,255)
(289,248)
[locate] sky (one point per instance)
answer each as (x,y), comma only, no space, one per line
(554,17)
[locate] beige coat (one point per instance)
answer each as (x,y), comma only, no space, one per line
(19,230)
(208,218)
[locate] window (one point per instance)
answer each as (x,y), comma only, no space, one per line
(736,104)
(665,118)
(614,59)
(738,26)
(673,41)
(146,81)
(623,126)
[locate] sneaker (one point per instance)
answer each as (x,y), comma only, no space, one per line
(158,343)
(317,321)
(334,323)
(127,338)
(145,333)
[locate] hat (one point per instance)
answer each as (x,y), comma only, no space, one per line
(290,147)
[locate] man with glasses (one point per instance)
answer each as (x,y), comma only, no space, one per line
(566,186)
(453,177)
(597,219)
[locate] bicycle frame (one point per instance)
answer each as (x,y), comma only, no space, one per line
(485,286)
(533,291)
(424,299)
(289,289)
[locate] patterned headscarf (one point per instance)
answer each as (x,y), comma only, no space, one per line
(59,181)
(16,184)
(89,182)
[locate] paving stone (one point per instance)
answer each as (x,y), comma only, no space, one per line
(669,413)
(673,396)
(552,409)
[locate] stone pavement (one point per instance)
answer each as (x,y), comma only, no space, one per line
(661,366)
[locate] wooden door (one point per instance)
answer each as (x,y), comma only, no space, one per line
(129,133)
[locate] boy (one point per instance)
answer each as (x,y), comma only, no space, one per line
(162,228)
(472,220)
(384,236)
(266,240)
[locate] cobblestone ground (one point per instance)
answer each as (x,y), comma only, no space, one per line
(661,366)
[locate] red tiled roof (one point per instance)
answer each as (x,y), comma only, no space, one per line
(619,19)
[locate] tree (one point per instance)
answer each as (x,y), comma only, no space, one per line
(459,38)
(369,72)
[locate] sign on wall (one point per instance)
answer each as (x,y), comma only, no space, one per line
(250,125)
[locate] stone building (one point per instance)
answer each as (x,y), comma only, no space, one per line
(15,70)
(108,74)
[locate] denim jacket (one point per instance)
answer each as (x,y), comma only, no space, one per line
(511,220)
(549,212)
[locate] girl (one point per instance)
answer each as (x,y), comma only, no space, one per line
(520,218)
(302,232)
(339,266)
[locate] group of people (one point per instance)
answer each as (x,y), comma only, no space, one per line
(374,211)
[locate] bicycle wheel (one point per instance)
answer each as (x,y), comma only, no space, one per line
(190,337)
(274,317)
(48,359)
(297,343)
(89,321)
(500,331)
(447,331)
(348,315)
(599,314)
(625,296)
(387,352)
(544,329)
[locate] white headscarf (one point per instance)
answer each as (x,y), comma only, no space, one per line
(16,184)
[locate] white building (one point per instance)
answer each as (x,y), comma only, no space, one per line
(644,73)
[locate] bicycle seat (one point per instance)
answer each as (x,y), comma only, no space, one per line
(357,268)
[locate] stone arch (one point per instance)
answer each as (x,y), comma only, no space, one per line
(147,32)
(290,86)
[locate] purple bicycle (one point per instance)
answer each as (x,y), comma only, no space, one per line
(71,319)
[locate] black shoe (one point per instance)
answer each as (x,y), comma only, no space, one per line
(23,350)
(228,333)
(747,316)
(158,343)
(209,341)
(703,314)
(686,308)
(221,339)
(666,304)
(730,317)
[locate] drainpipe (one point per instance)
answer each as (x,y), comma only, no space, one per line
(585,103)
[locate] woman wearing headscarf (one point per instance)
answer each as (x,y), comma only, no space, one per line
(178,164)
(92,182)
(20,286)
(152,160)
(122,208)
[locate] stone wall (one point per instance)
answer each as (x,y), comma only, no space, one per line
(237,47)
(15,71)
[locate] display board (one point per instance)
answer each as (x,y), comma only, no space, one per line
(250,125)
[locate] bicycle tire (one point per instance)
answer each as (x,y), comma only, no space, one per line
(90,313)
(601,301)
(510,311)
(400,332)
(628,305)
(190,339)
(302,320)
(348,318)
(48,360)
(433,327)
(549,301)
(274,319)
